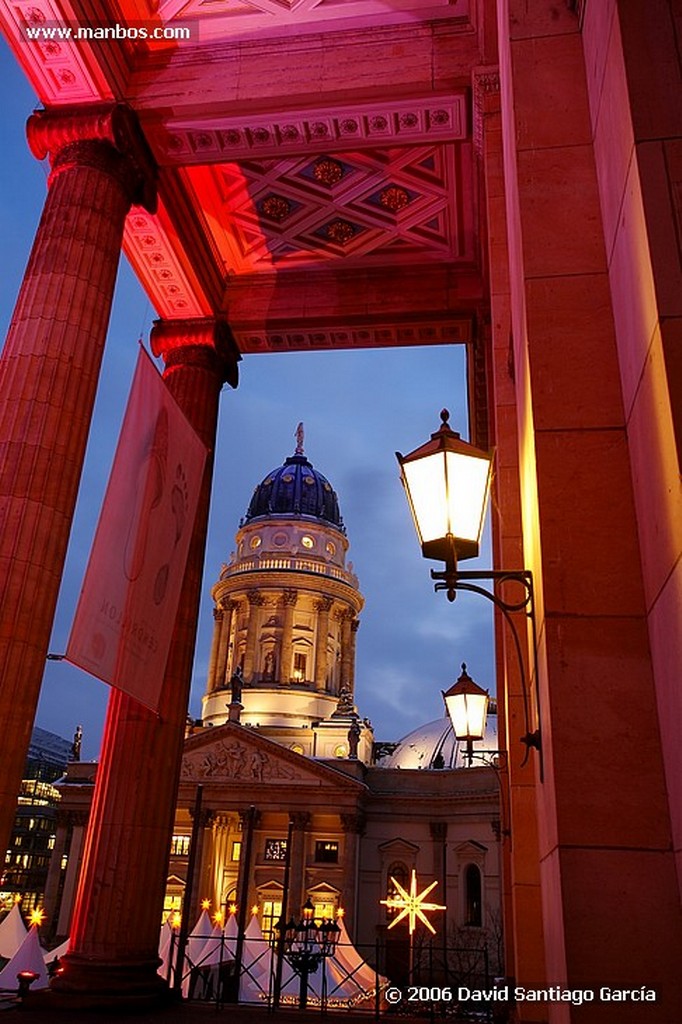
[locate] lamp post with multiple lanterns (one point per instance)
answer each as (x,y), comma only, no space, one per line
(307,944)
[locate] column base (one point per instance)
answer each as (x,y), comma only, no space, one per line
(85,983)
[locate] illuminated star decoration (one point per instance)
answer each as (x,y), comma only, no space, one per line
(37,916)
(411,904)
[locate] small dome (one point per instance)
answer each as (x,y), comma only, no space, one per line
(425,746)
(296,489)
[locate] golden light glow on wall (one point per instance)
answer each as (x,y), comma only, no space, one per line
(412,904)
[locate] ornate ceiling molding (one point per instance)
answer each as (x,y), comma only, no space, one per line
(428,331)
(356,126)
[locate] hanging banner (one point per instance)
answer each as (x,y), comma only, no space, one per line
(124,621)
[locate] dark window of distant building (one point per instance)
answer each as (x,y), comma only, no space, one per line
(180,846)
(472,890)
(326,852)
(276,849)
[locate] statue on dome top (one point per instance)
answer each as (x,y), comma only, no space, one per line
(299,435)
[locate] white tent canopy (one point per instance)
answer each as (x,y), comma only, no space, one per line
(29,957)
(12,932)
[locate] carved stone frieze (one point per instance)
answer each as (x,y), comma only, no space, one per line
(230,759)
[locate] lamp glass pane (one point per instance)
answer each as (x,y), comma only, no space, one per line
(467,494)
(425,480)
(468,713)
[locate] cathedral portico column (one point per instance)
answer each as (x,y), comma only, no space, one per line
(219,619)
(114,938)
(353,825)
(221,676)
(347,653)
(48,380)
(300,821)
(198,889)
(255,602)
(323,607)
(289,597)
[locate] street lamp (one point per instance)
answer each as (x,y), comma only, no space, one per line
(447,481)
(306,946)
(467,706)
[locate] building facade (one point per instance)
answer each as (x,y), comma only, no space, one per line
(293,806)
(497,173)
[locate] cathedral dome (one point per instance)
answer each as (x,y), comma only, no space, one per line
(434,746)
(296,489)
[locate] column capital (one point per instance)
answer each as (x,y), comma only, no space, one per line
(323,604)
(203,343)
(353,822)
(289,596)
(106,137)
(300,820)
(218,614)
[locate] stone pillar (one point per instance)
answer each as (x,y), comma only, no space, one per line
(222,677)
(289,597)
(346,617)
(520,859)
(199,889)
(54,872)
(115,933)
(354,627)
(48,378)
(218,629)
(604,821)
(252,630)
(353,825)
(301,822)
(322,607)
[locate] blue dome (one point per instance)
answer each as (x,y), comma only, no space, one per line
(296,489)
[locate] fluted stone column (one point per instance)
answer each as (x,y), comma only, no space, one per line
(219,619)
(301,822)
(345,618)
(199,889)
(353,825)
(289,597)
(255,601)
(222,678)
(114,939)
(354,627)
(48,380)
(323,607)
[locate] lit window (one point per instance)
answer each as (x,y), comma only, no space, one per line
(236,849)
(331,548)
(299,666)
(64,861)
(276,849)
(255,542)
(340,750)
(307,542)
(324,910)
(180,846)
(270,915)
(326,852)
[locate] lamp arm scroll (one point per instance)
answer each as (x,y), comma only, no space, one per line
(451,580)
